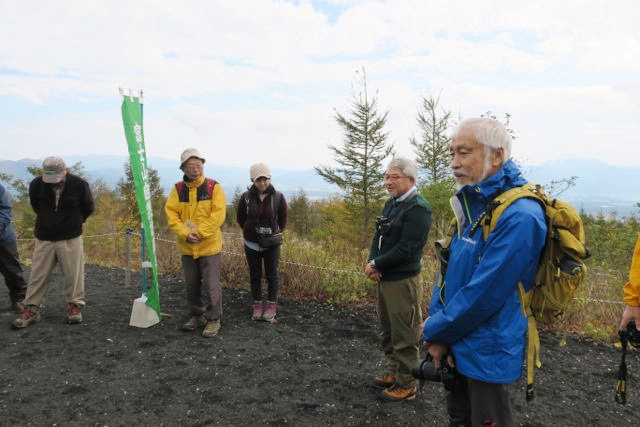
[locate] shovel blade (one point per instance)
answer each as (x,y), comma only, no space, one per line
(143,316)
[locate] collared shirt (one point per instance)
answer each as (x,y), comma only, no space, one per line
(57,190)
(406,195)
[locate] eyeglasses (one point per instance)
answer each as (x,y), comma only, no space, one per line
(394,177)
(262,179)
(193,167)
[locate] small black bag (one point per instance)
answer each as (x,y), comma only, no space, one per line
(269,240)
(266,238)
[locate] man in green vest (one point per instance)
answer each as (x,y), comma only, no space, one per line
(394,262)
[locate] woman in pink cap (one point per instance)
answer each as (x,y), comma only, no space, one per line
(262,214)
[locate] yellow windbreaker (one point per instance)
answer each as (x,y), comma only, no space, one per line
(632,288)
(205,216)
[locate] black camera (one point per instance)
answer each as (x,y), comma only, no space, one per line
(426,371)
(631,334)
(383,224)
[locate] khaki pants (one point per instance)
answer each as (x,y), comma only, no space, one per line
(400,318)
(70,254)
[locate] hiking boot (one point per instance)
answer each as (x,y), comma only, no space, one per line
(194,322)
(211,329)
(74,314)
(257,308)
(384,381)
(27,316)
(397,393)
(269,311)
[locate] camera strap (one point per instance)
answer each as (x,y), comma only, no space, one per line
(276,201)
(395,211)
(275,207)
(621,387)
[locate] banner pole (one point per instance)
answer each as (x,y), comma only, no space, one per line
(146,310)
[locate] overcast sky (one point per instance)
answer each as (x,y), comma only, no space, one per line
(258,80)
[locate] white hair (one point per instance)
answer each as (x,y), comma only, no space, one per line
(407,166)
(489,132)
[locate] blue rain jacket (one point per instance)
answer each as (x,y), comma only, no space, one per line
(7,234)
(478,312)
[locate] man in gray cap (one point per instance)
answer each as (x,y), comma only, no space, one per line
(62,203)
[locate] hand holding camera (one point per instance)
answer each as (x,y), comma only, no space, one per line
(445,374)
(631,334)
(371,272)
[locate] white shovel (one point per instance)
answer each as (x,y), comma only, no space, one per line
(143,316)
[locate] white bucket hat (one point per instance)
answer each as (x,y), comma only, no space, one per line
(189,153)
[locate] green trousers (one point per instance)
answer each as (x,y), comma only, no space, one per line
(400,318)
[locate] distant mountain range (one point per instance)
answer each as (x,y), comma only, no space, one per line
(599,187)
(111,170)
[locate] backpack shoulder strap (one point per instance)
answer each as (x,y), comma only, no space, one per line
(503,201)
(442,251)
(205,190)
(246,197)
(183,191)
(210,184)
(453,227)
(276,200)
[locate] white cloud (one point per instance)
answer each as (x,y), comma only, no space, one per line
(566,71)
(288,139)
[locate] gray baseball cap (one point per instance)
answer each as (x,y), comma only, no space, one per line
(53,169)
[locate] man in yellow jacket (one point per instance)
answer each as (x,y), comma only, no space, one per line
(196,209)
(632,291)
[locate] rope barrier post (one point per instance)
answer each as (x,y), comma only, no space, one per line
(127,270)
(143,266)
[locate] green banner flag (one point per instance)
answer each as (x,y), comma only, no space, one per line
(132,120)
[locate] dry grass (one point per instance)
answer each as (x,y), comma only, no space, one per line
(310,271)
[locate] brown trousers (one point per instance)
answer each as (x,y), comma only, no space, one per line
(203,274)
(46,255)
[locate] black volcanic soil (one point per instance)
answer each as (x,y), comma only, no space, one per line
(313,367)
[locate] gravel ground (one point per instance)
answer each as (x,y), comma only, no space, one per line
(313,368)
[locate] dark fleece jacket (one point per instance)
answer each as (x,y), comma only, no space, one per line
(397,255)
(62,222)
(258,213)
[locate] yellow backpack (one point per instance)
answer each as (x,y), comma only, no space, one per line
(561,268)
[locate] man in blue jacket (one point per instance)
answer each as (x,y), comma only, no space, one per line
(9,265)
(476,321)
